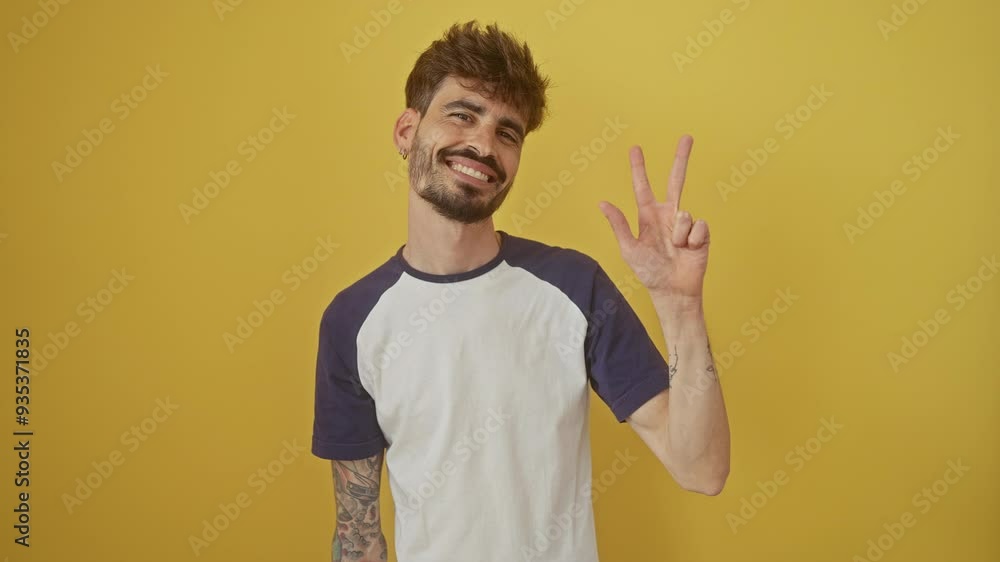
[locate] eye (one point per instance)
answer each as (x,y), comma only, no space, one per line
(512,138)
(463,116)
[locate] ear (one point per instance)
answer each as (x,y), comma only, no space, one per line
(405,128)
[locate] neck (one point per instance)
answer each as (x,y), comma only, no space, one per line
(439,246)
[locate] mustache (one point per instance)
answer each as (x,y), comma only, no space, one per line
(488,161)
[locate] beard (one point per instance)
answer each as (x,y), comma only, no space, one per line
(450,197)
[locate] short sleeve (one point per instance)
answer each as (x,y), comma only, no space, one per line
(624,365)
(345,426)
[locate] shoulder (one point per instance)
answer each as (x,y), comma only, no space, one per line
(572,271)
(352,304)
(534,255)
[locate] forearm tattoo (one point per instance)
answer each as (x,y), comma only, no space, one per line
(710,370)
(672,366)
(359,526)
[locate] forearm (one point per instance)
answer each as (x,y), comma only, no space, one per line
(697,425)
(359,535)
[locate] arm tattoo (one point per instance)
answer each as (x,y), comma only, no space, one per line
(710,370)
(359,525)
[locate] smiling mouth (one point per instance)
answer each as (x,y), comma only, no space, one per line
(468,173)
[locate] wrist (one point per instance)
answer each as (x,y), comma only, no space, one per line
(682,318)
(675,305)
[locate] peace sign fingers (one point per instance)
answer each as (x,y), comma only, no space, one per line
(675,185)
(640,182)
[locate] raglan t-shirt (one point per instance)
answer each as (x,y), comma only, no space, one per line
(476,386)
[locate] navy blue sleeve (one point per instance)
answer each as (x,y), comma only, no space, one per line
(625,367)
(345,426)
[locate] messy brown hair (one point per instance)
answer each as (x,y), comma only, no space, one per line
(498,65)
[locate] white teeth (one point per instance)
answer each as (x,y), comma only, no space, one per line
(469,171)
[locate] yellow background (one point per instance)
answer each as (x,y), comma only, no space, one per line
(325,174)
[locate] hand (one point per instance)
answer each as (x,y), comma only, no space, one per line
(670,255)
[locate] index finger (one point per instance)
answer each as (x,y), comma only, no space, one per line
(675,185)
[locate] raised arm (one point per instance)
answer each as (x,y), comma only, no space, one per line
(359,535)
(687,428)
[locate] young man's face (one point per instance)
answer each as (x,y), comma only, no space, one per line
(463,130)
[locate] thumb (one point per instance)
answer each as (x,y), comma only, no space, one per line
(619,224)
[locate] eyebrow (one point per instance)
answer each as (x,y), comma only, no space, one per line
(480,111)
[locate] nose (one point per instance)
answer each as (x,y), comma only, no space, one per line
(483,141)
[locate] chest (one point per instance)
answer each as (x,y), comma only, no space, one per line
(452,357)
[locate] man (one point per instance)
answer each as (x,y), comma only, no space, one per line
(467,357)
